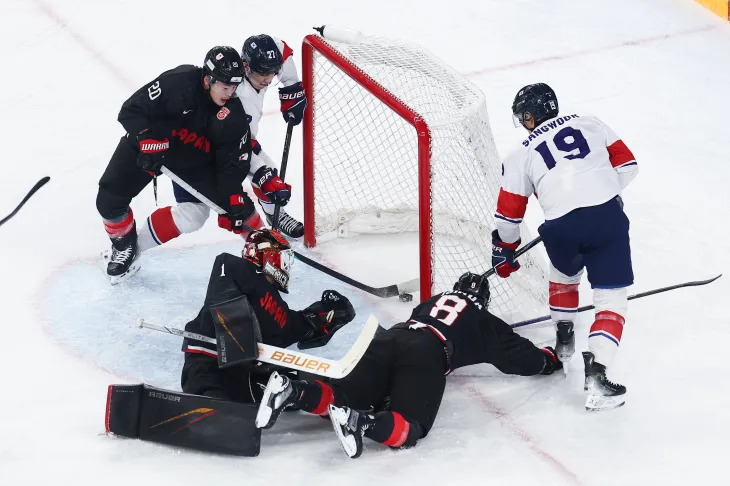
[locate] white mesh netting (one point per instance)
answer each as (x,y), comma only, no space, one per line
(366,163)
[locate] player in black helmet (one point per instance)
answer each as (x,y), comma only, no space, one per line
(189,120)
(534,103)
(405,368)
(266,58)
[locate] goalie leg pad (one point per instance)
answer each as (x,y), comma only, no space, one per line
(182,420)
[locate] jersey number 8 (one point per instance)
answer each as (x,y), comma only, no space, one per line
(566,140)
(451,305)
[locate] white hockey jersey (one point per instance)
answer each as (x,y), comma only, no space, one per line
(253,102)
(568,162)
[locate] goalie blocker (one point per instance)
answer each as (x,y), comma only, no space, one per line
(182,420)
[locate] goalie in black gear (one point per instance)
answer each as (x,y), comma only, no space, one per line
(394,393)
(258,276)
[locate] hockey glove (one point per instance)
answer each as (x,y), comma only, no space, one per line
(326,317)
(237,215)
(269,187)
(503,256)
(152,150)
(293,102)
(552,363)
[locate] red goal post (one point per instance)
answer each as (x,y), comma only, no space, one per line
(396,140)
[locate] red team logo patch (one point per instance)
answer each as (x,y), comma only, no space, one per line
(224,112)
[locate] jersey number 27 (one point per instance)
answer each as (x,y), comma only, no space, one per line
(566,140)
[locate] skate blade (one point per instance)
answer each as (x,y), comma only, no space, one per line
(134,268)
(347,441)
(597,403)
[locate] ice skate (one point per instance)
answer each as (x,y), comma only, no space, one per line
(279,394)
(350,426)
(123,258)
(601,394)
(287,225)
(564,341)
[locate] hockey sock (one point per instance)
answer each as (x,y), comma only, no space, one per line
(159,228)
(315,397)
(118,227)
(607,328)
(563,301)
(268,207)
(393,430)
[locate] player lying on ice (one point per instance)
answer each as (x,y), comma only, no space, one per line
(394,393)
(258,276)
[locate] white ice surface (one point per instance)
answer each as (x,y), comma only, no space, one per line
(655,70)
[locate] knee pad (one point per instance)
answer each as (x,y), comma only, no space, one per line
(110,206)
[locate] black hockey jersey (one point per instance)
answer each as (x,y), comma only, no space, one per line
(202,134)
(473,334)
(232,277)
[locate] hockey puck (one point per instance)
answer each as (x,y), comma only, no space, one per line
(405,297)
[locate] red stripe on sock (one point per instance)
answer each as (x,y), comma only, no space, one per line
(163,225)
(254,222)
(610,322)
(564,295)
(328,397)
(401,427)
(122,228)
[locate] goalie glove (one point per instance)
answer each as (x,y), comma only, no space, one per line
(326,317)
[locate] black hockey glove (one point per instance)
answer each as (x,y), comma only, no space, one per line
(293,102)
(552,363)
(326,317)
(152,150)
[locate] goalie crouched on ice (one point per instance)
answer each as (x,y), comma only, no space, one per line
(259,276)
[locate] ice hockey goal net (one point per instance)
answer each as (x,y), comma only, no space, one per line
(396,140)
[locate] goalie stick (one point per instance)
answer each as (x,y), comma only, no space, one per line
(32,191)
(696,283)
(295,360)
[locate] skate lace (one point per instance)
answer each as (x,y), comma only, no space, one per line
(121,256)
(287,223)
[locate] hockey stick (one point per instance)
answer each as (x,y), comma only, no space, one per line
(295,360)
(33,190)
(387,291)
(282,173)
(632,297)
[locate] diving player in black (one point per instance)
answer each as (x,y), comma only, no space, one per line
(403,373)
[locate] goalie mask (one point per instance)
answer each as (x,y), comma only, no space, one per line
(270,251)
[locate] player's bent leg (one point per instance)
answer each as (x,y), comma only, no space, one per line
(122,260)
(168,223)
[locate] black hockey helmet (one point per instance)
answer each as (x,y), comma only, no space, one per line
(475,284)
(535,101)
(222,63)
(262,55)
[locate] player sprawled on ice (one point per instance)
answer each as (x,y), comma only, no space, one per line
(264,58)
(394,393)
(258,276)
(577,167)
(189,120)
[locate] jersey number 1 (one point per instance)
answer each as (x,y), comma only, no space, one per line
(578,142)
